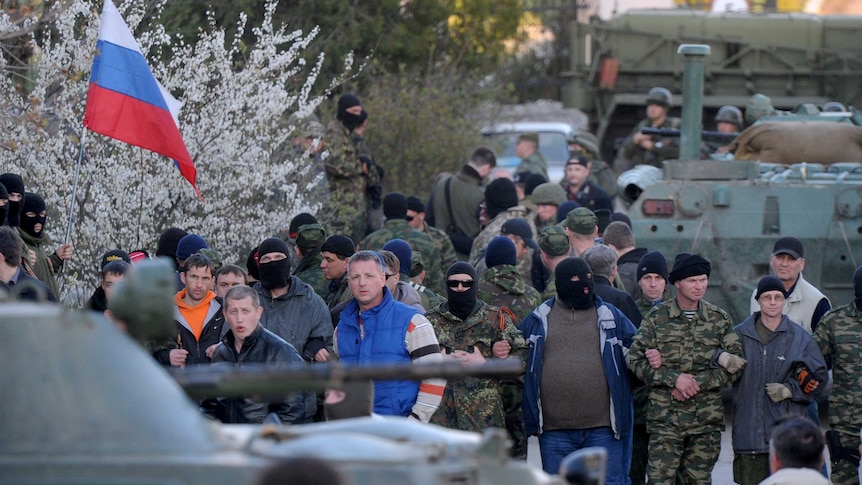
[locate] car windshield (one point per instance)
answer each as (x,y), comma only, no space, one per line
(552,145)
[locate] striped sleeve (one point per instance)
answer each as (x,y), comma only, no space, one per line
(423,347)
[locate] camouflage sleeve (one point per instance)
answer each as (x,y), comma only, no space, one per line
(519,347)
(645,339)
(717,377)
(823,334)
(343,160)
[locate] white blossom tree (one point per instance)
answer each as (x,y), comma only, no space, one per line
(233,123)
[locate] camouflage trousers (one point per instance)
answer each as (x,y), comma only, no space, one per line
(512,395)
(845,472)
(750,469)
(694,455)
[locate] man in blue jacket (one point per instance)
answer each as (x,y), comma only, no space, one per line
(576,388)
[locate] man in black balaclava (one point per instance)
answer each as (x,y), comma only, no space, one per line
(838,335)
(14,185)
(350,112)
(34,214)
(471,332)
(291,308)
(585,397)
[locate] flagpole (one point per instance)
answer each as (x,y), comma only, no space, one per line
(75,188)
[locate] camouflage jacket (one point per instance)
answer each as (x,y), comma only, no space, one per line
(444,246)
(644,306)
(535,163)
(337,292)
(344,211)
(685,347)
(492,230)
(550,289)
(309,272)
(428,297)
(839,335)
(474,404)
(503,286)
(420,242)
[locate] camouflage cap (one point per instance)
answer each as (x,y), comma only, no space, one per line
(214,255)
(310,236)
(418,266)
(553,241)
(582,221)
(314,129)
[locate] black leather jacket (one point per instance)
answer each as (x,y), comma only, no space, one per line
(261,347)
(211,333)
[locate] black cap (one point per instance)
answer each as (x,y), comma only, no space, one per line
(789,245)
(500,195)
(395,206)
(769,283)
(298,221)
(272,245)
(520,227)
(686,265)
(415,204)
(652,262)
(114,255)
(339,245)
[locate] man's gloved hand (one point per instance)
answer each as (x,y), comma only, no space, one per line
(806,381)
(731,362)
(778,392)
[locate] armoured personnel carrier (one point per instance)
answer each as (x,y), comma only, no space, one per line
(732,212)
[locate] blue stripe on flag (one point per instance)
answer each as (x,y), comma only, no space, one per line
(126,72)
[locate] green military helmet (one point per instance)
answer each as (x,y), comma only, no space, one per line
(549,193)
(757,107)
(586,140)
(729,114)
(310,236)
(833,107)
(659,96)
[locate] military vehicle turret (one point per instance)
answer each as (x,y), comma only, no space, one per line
(84,403)
(732,212)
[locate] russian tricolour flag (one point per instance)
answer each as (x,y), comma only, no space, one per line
(127,103)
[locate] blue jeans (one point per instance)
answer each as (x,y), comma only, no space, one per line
(555,445)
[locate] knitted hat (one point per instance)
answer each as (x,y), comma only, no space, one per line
(395,206)
(339,245)
(582,221)
(553,241)
(564,209)
(310,236)
(114,255)
(533,180)
(168,242)
(769,283)
(189,245)
(652,262)
(415,204)
(686,265)
(272,245)
(402,250)
(519,227)
(789,245)
(603,219)
(251,264)
(499,196)
(13,183)
(620,217)
(299,220)
(500,251)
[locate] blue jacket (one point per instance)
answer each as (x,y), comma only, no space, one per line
(385,329)
(616,332)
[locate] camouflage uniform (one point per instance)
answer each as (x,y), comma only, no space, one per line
(428,298)
(421,242)
(839,335)
(309,272)
(344,212)
(503,286)
(444,247)
(550,289)
(535,163)
(669,149)
(492,230)
(684,435)
(374,190)
(474,404)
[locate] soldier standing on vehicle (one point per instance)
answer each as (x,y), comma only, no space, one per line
(685,416)
(839,335)
(643,149)
(728,120)
(527,149)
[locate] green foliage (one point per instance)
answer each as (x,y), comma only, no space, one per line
(421,125)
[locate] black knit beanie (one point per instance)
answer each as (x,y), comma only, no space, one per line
(500,195)
(395,206)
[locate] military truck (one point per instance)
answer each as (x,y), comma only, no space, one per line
(732,212)
(792,58)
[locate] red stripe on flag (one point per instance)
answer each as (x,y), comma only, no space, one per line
(138,123)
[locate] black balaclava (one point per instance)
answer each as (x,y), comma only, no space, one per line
(461,303)
(36,204)
(578,294)
(5,208)
(857,287)
(274,274)
(14,184)
(358,401)
(349,120)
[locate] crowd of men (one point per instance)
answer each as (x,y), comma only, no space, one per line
(619,348)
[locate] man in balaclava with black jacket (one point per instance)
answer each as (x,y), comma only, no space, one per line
(34,214)
(344,212)
(471,332)
(578,373)
(14,185)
